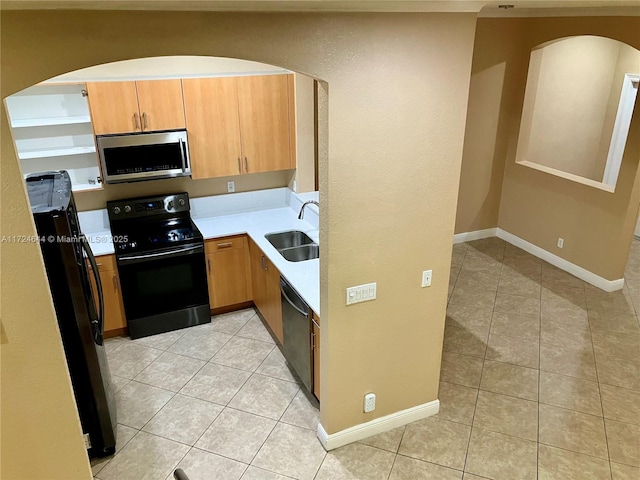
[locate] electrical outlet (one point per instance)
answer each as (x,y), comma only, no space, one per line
(369,402)
(426,278)
(560,242)
(295,186)
(361,293)
(231,187)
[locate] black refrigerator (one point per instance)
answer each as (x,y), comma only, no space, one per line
(65,251)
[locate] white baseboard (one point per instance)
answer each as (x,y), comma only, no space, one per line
(572,268)
(475,235)
(379,425)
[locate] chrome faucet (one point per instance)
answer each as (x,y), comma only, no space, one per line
(301,214)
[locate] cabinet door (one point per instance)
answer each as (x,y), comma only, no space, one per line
(114,317)
(259,280)
(113,308)
(315,326)
(275,305)
(114,107)
(160,103)
(211,113)
(263,103)
(229,282)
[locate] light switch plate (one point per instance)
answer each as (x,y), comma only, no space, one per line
(426,278)
(361,293)
(231,187)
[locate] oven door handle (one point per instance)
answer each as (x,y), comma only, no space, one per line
(99,322)
(173,253)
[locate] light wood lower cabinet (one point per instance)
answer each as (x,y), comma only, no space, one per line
(114,319)
(315,344)
(265,284)
(229,271)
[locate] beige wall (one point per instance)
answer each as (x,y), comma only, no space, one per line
(565,104)
(489,116)
(380,184)
(538,207)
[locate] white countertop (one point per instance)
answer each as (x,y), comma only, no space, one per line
(253,221)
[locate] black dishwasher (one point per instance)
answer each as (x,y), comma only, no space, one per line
(296,342)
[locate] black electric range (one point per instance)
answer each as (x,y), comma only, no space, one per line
(161,263)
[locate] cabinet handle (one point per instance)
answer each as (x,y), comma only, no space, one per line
(136,121)
(313,341)
(239,166)
(91,268)
(225,245)
(246,165)
(115,282)
(209,265)
(263,261)
(144,120)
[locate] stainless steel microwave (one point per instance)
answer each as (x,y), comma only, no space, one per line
(132,157)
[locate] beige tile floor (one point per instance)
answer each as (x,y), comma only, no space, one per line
(540,380)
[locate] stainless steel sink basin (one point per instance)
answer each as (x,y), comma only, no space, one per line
(301,253)
(292,238)
(294,245)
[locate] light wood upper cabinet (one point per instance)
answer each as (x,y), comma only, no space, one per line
(240,125)
(211,111)
(146,105)
(263,103)
(160,103)
(114,107)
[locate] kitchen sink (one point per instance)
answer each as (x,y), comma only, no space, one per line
(301,253)
(292,238)
(294,245)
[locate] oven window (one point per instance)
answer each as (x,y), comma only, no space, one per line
(163,285)
(170,280)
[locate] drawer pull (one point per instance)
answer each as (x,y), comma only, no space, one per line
(115,282)
(225,245)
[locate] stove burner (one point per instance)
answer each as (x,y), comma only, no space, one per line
(152,223)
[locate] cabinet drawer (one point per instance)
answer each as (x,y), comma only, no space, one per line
(224,243)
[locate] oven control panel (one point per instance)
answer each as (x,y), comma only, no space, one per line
(148,206)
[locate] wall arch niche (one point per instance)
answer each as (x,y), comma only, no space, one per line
(579,99)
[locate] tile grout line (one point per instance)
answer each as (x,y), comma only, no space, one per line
(539,380)
(466,457)
(604,425)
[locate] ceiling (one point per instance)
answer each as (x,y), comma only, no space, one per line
(486,8)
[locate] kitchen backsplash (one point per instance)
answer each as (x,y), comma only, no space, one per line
(93,221)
